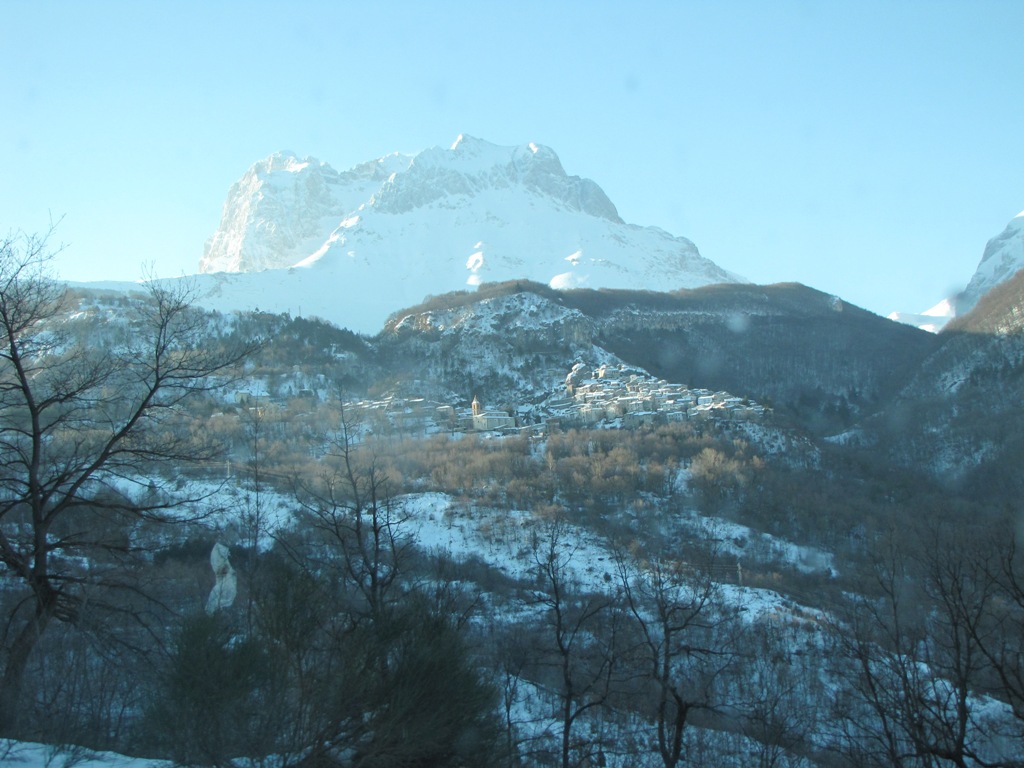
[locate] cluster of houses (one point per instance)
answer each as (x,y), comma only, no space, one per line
(610,393)
(611,396)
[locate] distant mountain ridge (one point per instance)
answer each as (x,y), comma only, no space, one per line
(1002,259)
(354,246)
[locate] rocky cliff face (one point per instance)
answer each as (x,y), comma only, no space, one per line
(1003,257)
(472,166)
(280,209)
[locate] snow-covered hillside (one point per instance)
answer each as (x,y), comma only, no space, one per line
(352,247)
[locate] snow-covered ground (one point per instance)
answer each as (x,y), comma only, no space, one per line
(512,542)
(23,754)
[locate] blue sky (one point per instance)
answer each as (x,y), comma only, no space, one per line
(868,149)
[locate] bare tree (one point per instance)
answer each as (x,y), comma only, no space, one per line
(1000,635)
(685,648)
(512,661)
(394,681)
(352,551)
(351,505)
(582,638)
(911,695)
(81,420)
(779,712)
(252,512)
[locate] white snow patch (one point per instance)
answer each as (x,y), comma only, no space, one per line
(566,281)
(932,320)
(943,309)
(26,754)
(741,542)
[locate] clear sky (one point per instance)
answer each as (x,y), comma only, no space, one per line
(868,149)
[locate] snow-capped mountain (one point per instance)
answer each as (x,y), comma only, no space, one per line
(278,212)
(1003,257)
(352,247)
(932,320)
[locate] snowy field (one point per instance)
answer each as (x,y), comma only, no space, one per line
(19,754)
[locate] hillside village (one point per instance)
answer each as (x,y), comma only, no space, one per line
(766,528)
(607,396)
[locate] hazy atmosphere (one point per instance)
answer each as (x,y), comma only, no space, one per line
(551,417)
(867,149)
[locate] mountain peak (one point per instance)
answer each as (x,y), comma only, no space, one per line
(286,160)
(471,156)
(1003,257)
(464,141)
(387,232)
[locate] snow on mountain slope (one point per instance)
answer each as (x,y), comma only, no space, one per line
(1003,257)
(932,320)
(283,205)
(514,348)
(353,247)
